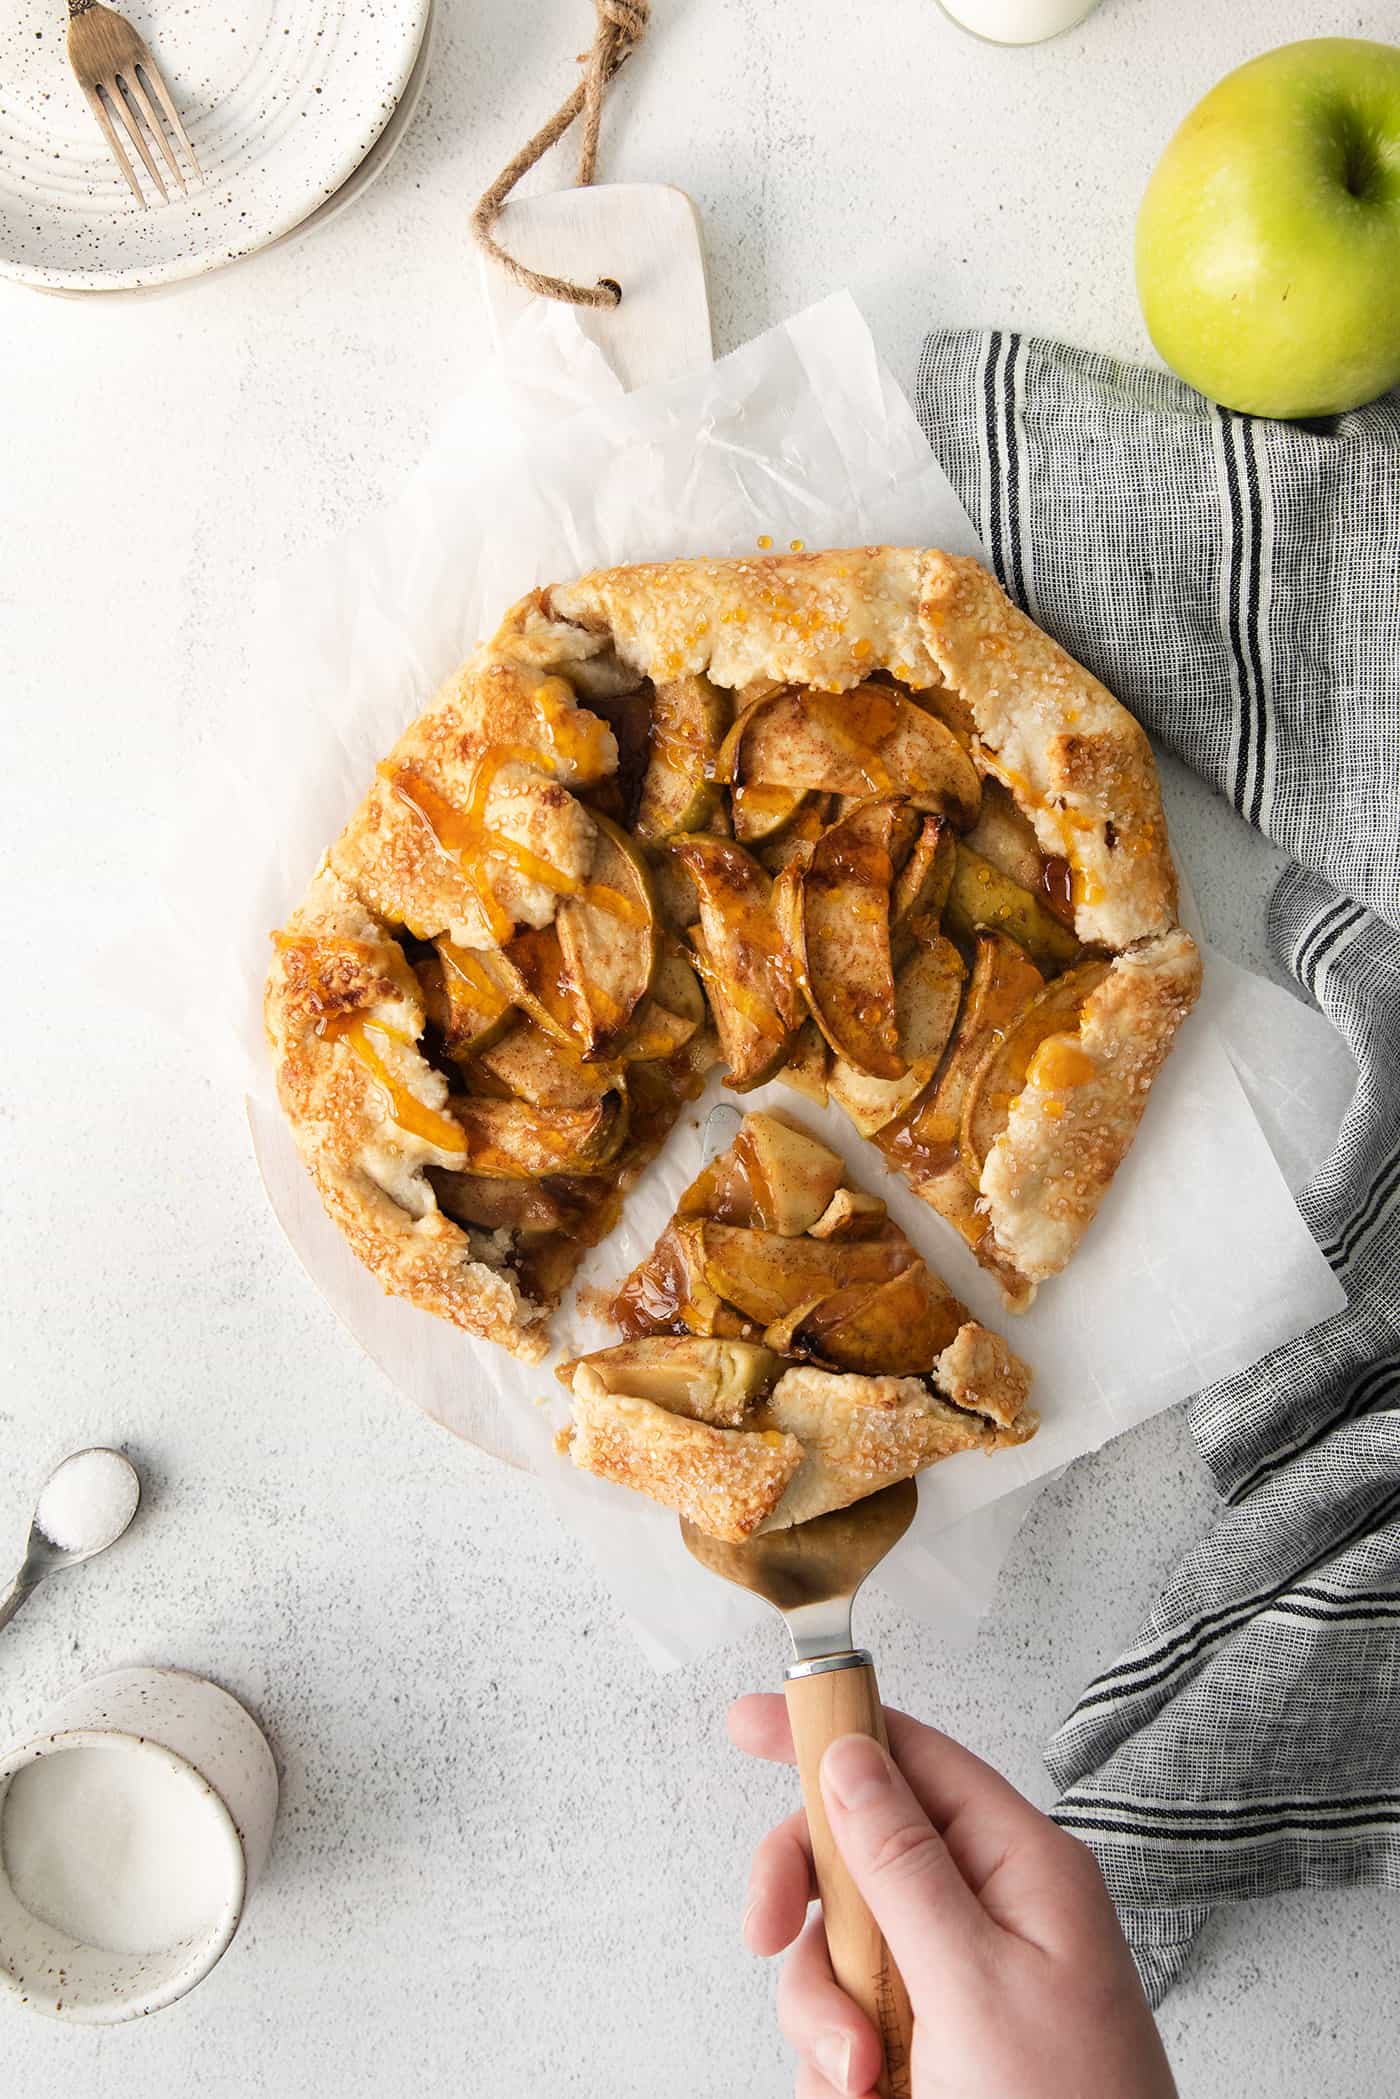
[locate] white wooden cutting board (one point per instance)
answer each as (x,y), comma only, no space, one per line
(643,235)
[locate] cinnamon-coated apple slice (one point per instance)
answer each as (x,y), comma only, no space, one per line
(669,1016)
(870,741)
(922,884)
(898,1328)
(837,918)
(808,1062)
(981,895)
(608,940)
(1005,835)
(510,1140)
(531,973)
(764,1274)
(1002,1072)
(463,1000)
(742,959)
(689,717)
(529,1065)
(1004,980)
(927,994)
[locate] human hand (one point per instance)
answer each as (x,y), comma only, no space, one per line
(1000,1924)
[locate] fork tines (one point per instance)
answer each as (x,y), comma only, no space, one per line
(123,87)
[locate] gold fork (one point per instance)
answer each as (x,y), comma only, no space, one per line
(110,59)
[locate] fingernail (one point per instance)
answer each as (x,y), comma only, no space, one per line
(746,1922)
(855,1771)
(831,2052)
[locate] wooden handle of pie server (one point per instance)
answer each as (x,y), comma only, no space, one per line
(825,1702)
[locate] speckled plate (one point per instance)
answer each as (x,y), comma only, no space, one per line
(284,99)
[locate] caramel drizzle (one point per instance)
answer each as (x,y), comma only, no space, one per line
(755,1011)
(1061,1062)
(463,963)
(466,839)
(405,1108)
(858,723)
(577,738)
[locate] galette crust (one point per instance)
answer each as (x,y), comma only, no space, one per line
(977,1370)
(368,1169)
(859,1434)
(723,1480)
(1076,761)
(1049,1170)
(1077,764)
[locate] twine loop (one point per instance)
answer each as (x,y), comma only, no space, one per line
(621,25)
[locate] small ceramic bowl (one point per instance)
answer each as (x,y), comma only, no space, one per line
(204,1740)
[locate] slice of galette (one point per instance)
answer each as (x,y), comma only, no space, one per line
(786,1351)
(845,819)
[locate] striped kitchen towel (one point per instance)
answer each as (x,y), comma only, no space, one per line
(1237,582)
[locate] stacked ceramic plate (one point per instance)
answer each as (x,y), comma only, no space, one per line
(293,106)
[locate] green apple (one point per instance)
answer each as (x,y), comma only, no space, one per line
(1268,243)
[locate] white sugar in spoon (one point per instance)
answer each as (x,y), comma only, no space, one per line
(84,1506)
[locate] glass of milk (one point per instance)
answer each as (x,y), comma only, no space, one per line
(130,1833)
(1017,21)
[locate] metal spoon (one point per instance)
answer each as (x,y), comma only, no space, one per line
(42,1556)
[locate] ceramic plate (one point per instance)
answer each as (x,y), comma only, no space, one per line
(283,100)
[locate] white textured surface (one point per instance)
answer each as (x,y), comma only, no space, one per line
(509,1859)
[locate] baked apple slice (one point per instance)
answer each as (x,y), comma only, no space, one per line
(837,917)
(462,999)
(510,1140)
(525,1207)
(1046,1028)
(774,1176)
(762,813)
(1004,980)
(1005,835)
(871,741)
(701,1376)
(897,1328)
(742,959)
(922,883)
(529,1065)
(689,717)
(927,993)
(669,1292)
(981,895)
(852,1213)
(669,1016)
(608,940)
(807,1064)
(531,972)
(763,1274)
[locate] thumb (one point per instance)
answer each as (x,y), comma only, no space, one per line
(898,1860)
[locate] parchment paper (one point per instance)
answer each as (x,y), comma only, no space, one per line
(1199,1261)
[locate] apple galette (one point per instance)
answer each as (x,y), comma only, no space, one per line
(786,1351)
(847,819)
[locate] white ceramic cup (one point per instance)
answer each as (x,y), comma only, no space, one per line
(1018,21)
(206,1739)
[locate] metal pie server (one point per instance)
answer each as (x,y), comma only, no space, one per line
(810,1573)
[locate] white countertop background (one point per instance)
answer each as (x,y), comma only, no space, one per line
(510,1859)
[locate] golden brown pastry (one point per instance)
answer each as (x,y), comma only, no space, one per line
(787,1351)
(846,818)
